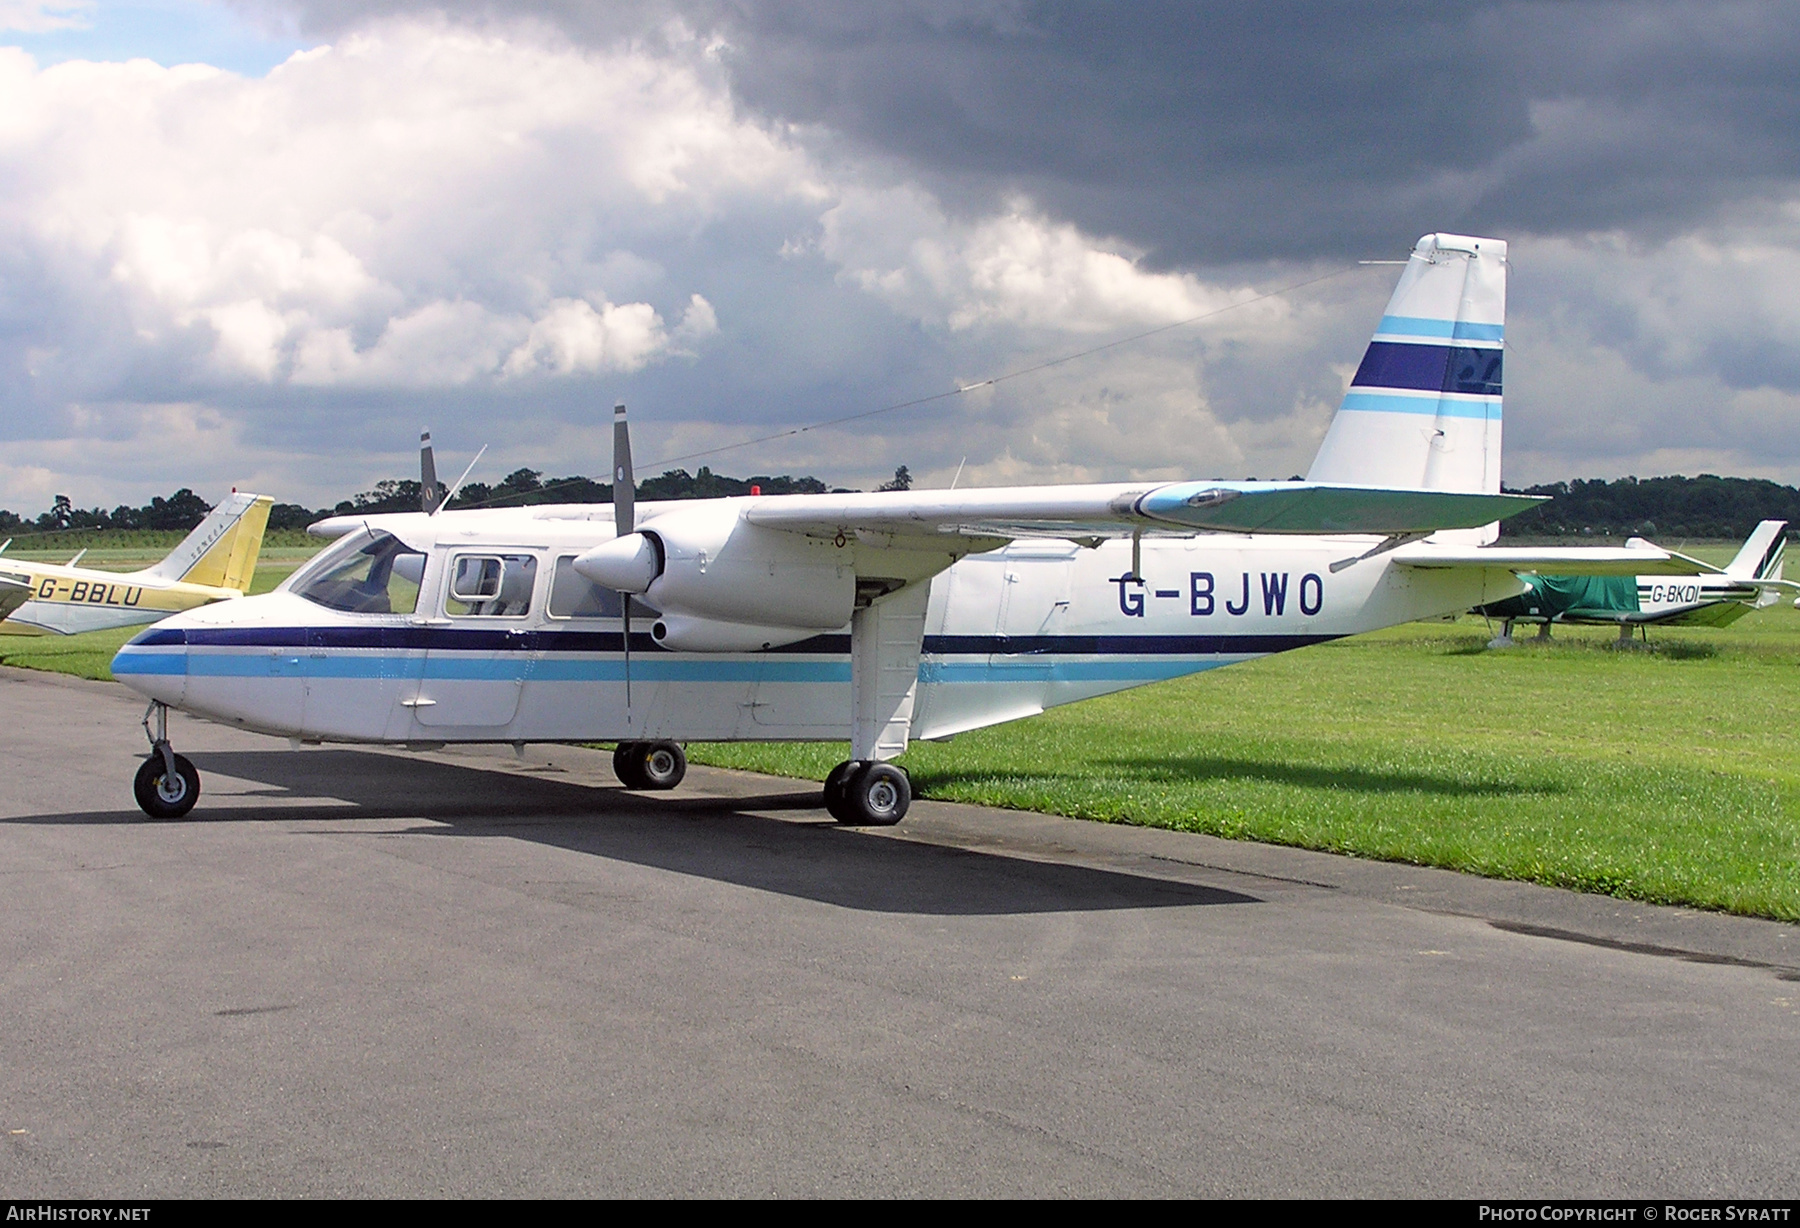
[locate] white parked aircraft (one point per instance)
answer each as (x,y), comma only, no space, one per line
(881,617)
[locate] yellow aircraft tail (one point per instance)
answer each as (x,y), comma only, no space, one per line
(222,551)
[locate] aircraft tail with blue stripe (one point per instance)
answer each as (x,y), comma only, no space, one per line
(1423,410)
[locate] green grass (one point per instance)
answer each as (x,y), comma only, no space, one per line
(1665,775)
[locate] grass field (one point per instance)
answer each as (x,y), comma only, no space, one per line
(1665,774)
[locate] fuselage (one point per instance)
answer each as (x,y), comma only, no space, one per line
(414,650)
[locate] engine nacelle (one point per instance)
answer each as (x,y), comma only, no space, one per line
(681,633)
(717,568)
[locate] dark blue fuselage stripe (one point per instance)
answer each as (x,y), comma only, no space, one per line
(449,639)
(1429,368)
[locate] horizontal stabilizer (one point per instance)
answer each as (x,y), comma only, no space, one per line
(15,591)
(1557,560)
(1315,508)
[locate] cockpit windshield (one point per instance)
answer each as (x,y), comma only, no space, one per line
(382,577)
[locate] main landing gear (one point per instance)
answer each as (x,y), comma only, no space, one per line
(167,785)
(867,794)
(649,765)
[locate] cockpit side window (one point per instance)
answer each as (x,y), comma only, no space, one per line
(381,577)
(491,585)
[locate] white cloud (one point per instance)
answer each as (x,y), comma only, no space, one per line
(410,208)
(276,280)
(42,16)
(1018,268)
(1680,356)
(572,336)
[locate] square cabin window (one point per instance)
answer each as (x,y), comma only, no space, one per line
(491,585)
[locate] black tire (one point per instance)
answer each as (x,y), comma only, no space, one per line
(875,796)
(162,798)
(661,764)
(834,787)
(628,760)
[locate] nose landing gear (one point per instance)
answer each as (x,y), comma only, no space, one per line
(167,785)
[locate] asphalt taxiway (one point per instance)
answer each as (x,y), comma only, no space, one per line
(364,972)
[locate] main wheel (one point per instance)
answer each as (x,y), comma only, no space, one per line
(628,761)
(663,764)
(162,796)
(875,796)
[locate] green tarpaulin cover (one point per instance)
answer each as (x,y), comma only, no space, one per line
(1589,596)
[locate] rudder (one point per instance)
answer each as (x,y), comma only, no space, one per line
(222,551)
(1423,410)
(1760,556)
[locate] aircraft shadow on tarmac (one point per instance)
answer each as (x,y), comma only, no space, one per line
(723,839)
(1322,776)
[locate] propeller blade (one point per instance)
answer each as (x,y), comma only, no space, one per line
(625,613)
(624,486)
(429,490)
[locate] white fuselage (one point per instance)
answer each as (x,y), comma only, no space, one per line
(1008,634)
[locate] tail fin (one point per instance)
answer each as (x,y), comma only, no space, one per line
(222,551)
(1423,410)
(1760,557)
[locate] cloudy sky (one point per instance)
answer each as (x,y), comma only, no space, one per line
(262,242)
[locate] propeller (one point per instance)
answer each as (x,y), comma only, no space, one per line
(430,493)
(624,493)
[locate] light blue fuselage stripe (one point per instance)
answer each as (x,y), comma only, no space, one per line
(201,664)
(161,663)
(1452,330)
(1485,409)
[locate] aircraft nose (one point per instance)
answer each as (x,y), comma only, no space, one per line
(154,662)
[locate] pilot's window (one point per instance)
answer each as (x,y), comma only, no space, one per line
(491,585)
(380,578)
(573,595)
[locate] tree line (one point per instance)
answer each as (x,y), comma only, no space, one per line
(1671,507)
(184,509)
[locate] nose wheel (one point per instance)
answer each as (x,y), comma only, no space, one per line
(167,784)
(865,794)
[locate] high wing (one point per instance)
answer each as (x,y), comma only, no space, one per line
(1118,509)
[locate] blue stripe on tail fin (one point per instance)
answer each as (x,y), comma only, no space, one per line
(1423,410)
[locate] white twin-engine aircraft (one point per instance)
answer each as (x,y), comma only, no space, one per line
(881,617)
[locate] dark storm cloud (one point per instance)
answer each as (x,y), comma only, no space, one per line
(1240,131)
